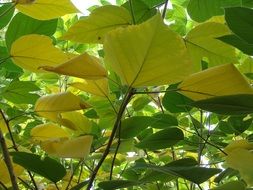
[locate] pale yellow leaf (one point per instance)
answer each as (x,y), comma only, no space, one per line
(93,28)
(243,144)
(76,121)
(217,81)
(96,87)
(242,160)
(33,51)
(202,43)
(48,131)
(73,148)
(4,173)
(51,106)
(83,66)
(148,54)
(46,9)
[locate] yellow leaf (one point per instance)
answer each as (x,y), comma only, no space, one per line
(147,54)
(201,42)
(72,148)
(96,87)
(52,105)
(4,174)
(76,121)
(92,29)
(48,131)
(3,125)
(217,81)
(33,51)
(46,9)
(243,144)
(242,160)
(83,66)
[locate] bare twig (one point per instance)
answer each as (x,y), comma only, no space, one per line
(125,101)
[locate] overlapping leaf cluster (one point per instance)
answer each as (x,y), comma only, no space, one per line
(139,95)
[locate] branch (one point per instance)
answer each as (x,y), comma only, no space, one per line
(165,9)
(8,162)
(117,123)
(15,145)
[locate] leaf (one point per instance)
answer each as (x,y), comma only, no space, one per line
(51,106)
(80,185)
(97,87)
(34,51)
(162,121)
(5,19)
(241,160)
(4,174)
(238,20)
(3,126)
(82,66)
(217,81)
(48,131)
(19,92)
(68,148)
(161,139)
(201,42)
(117,184)
(19,27)
(132,126)
(238,144)
(142,10)
(93,28)
(140,57)
(47,9)
(46,167)
(76,121)
(238,185)
(202,10)
(238,43)
(228,105)
(175,102)
(194,174)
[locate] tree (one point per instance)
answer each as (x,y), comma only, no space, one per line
(138,95)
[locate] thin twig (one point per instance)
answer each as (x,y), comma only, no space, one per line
(73,173)
(125,101)
(7,122)
(165,9)
(8,162)
(116,151)
(1,183)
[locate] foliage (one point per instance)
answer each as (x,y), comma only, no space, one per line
(142,94)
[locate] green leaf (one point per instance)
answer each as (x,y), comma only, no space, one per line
(117,184)
(238,43)
(162,121)
(238,185)
(18,92)
(162,139)
(176,102)
(239,21)
(228,105)
(239,124)
(202,10)
(23,25)
(132,126)
(153,175)
(142,10)
(46,167)
(7,17)
(194,174)
(153,3)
